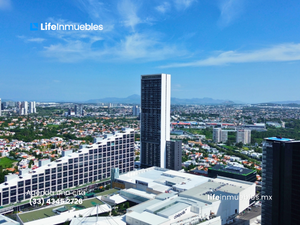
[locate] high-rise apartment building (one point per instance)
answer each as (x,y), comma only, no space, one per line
(220,135)
(224,136)
(280,181)
(136,110)
(217,135)
(155,119)
(25,107)
(32,108)
(19,108)
(90,164)
(243,136)
(174,155)
(78,110)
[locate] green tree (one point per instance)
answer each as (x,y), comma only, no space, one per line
(30,163)
(239,145)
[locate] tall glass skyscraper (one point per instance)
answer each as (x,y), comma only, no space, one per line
(155,119)
(281,182)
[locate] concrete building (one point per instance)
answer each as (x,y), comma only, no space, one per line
(136,110)
(280,181)
(224,136)
(79,110)
(19,108)
(217,135)
(32,107)
(172,197)
(155,119)
(90,164)
(7,221)
(174,155)
(243,136)
(25,107)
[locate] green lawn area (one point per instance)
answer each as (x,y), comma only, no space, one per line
(108,192)
(230,147)
(7,162)
(47,211)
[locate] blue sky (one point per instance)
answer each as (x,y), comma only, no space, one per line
(241,50)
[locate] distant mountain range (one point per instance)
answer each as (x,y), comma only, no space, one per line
(136,99)
(286,102)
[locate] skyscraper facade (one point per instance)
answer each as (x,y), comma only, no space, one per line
(280,182)
(155,119)
(174,155)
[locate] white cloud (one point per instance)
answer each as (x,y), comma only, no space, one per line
(132,47)
(39,40)
(99,13)
(125,43)
(230,10)
(164,7)
(5,4)
(183,4)
(278,53)
(93,8)
(128,10)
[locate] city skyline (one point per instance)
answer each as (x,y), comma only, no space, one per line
(228,49)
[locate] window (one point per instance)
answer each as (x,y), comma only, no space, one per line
(20,197)
(13,199)
(5,194)
(27,189)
